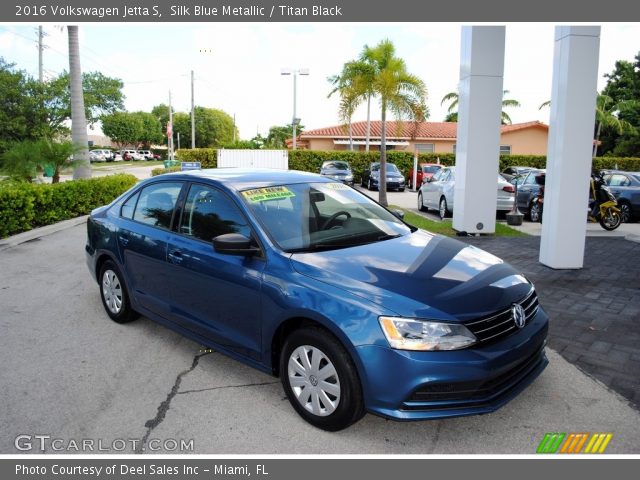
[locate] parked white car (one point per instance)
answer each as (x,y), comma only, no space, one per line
(146,154)
(437,193)
(131,155)
(100,155)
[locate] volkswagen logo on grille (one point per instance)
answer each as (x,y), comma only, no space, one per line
(519,317)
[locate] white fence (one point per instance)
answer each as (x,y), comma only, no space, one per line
(278,159)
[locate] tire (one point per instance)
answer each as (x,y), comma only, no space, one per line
(625,212)
(362,183)
(114,295)
(611,220)
(370,184)
(535,215)
(401,189)
(341,404)
(443,210)
(421,206)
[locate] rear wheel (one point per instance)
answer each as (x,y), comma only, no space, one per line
(114,295)
(320,380)
(370,184)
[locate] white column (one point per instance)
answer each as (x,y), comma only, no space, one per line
(573,103)
(478,141)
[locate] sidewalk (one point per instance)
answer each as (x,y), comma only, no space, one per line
(595,311)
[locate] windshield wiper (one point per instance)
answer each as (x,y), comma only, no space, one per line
(388,237)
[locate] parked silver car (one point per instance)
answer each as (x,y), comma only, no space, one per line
(437,193)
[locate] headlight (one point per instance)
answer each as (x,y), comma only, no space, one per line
(348,178)
(408,334)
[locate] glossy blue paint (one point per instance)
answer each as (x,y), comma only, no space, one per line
(237,303)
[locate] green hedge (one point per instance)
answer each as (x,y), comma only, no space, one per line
(24,206)
(159,171)
(311,160)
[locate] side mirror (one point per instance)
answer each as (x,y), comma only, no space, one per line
(234,244)
(427,179)
(398,213)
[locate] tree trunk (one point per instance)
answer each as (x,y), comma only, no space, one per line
(595,144)
(78,119)
(382,183)
(366,148)
(350,136)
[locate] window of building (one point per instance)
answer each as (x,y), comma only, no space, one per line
(505,149)
(425,147)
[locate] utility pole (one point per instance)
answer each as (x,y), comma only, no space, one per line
(193,116)
(295,120)
(178,140)
(170,130)
(234,128)
(40,49)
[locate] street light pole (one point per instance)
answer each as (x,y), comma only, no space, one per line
(295,121)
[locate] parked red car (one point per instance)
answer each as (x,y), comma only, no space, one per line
(425,171)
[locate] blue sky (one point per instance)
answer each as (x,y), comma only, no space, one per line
(237,65)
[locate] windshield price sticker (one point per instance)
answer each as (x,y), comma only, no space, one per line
(336,186)
(264,194)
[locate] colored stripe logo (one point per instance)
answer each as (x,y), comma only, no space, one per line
(574,443)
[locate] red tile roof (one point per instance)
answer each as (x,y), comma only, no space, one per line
(409,130)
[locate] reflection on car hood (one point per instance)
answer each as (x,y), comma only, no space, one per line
(420,275)
(389,174)
(335,171)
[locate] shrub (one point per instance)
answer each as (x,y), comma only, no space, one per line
(311,160)
(159,171)
(24,206)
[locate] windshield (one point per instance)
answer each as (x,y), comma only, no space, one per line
(390,168)
(431,168)
(321,216)
(336,165)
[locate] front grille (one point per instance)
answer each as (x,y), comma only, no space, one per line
(475,391)
(501,324)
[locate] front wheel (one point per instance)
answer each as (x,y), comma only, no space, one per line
(320,380)
(611,220)
(535,212)
(421,206)
(443,210)
(626,212)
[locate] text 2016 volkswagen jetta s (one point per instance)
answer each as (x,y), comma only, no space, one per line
(307,279)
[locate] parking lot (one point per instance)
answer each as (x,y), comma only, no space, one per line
(71,373)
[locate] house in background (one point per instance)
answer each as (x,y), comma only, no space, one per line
(528,138)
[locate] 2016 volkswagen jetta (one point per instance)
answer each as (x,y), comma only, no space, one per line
(307,279)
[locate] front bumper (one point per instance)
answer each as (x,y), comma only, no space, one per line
(404,385)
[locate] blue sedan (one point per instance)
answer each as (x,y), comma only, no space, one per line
(307,279)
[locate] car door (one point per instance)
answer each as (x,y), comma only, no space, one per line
(435,188)
(428,189)
(215,295)
(142,241)
(527,190)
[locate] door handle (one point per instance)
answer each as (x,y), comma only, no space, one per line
(175,256)
(124,240)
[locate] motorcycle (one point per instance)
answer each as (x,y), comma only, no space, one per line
(603,207)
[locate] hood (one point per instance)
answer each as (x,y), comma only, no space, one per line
(389,174)
(420,275)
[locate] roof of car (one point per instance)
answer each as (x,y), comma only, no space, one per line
(244,178)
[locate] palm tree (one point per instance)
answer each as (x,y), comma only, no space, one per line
(78,119)
(354,86)
(607,111)
(453,98)
(399,91)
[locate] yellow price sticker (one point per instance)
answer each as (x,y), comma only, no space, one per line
(258,195)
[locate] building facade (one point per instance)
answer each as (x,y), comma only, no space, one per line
(528,138)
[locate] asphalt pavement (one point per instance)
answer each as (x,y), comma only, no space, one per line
(71,373)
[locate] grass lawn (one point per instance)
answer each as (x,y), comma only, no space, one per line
(138,163)
(444,227)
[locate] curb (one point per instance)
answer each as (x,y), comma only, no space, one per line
(633,238)
(23,237)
